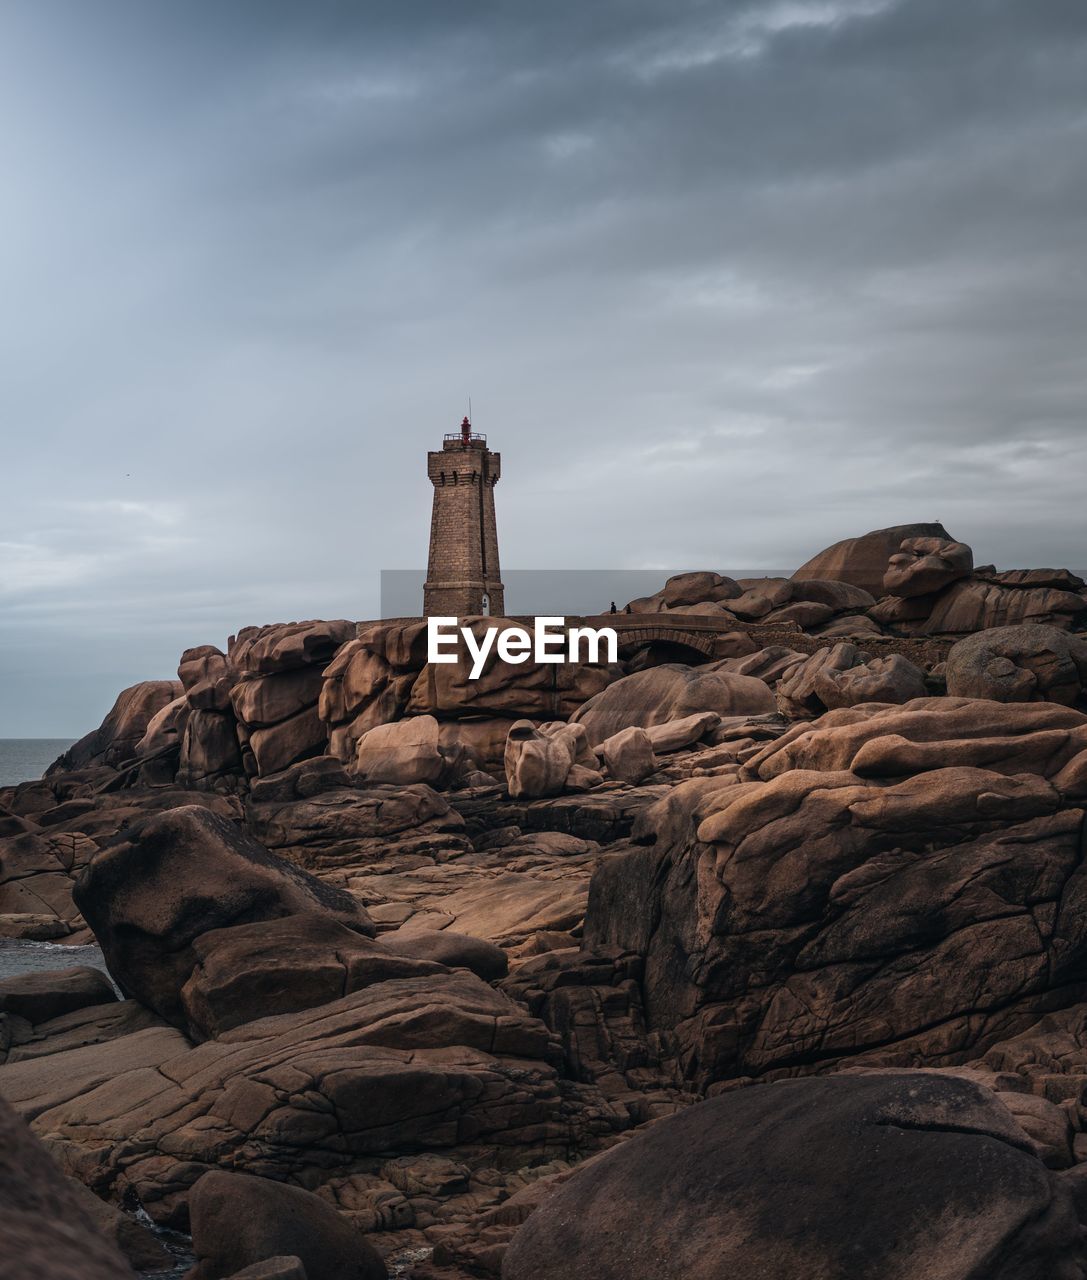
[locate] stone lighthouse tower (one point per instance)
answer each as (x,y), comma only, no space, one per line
(463,576)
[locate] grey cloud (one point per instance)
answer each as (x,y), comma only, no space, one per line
(726,283)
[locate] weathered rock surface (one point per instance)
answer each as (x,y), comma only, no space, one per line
(116,738)
(906,1175)
(133,1241)
(250,971)
(454,950)
(22,1039)
(37,872)
(547,760)
(46,1231)
(862,561)
(435,1064)
(670,692)
(408,751)
(844,676)
(287,646)
(1027,663)
(164,729)
(898,885)
(923,566)
(239,1221)
(211,757)
(151,892)
(629,755)
(695,588)
(39,997)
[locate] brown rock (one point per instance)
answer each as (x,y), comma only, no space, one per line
(204,665)
(804,613)
(530,689)
(924,566)
(46,1231)
(404,752)
(280,745)
(696,588)
(402,1066)
(211,757)
(151,892)
(907,1174)
(971,605)
(1027,663)
(114,741)
(37,997)
(768,665)
(840,596)
(253,971)
(866,888)
(629,756)
(164,729)
(760,597)
(862,561)
(286,646)
(260,701)
(670,692)
(674,735)
(844,676)
(32,928)
(238,1221)
(454,950)
(538,763)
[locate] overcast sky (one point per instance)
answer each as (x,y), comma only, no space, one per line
(726,282)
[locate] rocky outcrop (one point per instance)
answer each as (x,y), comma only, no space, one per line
(280,670)
(973,604)
(831,900)
(454,950)
(39,997)
(844,676)
(549,759)
(37,872)
(698,587)
(164,731)
(908,1175)
(46,1230)
(239,1221)
(923,566)
(155,889)
(442,1064)
(409,751)
(318,816)
(670,692)
(1027,663)
(250,971)
(628,754)
(115,740)
(862,562)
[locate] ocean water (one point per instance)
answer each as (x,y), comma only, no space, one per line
(18,956)
(25,759)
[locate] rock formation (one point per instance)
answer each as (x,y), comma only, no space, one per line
(627,969)
(863,1176)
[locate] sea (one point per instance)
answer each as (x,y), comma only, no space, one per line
(26,759)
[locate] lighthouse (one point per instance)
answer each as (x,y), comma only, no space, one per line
(463,575)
